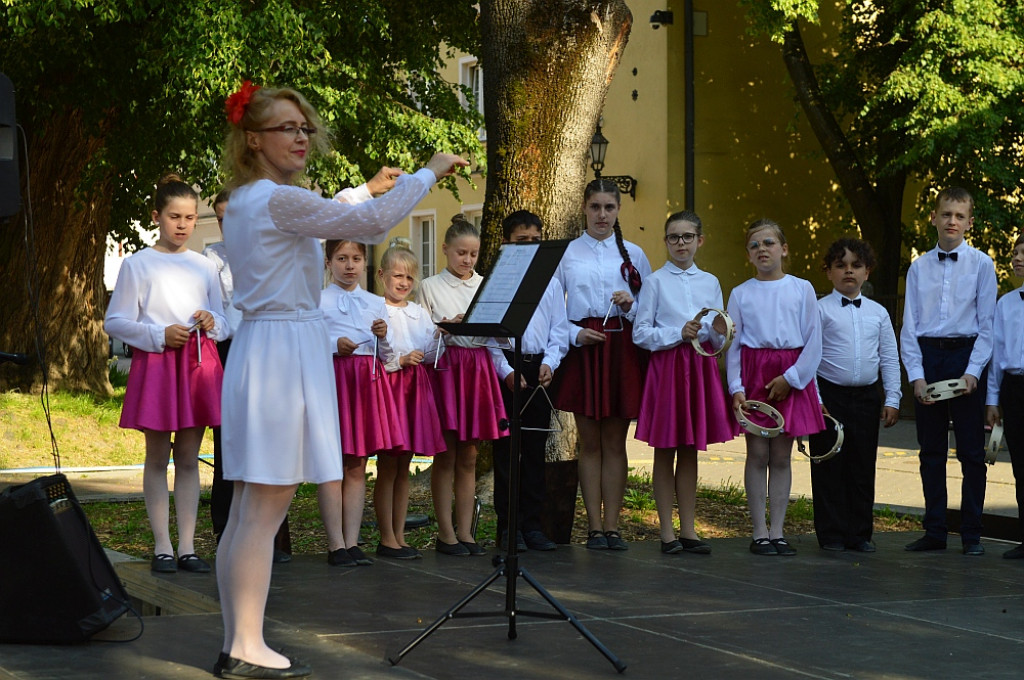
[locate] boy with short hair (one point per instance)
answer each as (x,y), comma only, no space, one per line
(544,345)
(857,342)
(947,334)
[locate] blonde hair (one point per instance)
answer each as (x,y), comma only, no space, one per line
(399,254)
(765,223)
(240,162)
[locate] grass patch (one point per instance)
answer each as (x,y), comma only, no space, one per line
(85,426)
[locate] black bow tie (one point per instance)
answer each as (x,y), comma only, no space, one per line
(943,256)
(856,303)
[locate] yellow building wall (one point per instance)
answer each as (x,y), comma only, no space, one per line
(754,154)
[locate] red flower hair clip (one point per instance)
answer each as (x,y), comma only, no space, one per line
(237,103)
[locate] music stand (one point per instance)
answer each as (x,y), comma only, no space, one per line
(503,307)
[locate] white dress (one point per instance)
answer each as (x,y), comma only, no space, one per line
(279,407)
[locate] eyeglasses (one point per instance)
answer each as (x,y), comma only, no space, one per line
(674,239)
(767,243)
(292,130)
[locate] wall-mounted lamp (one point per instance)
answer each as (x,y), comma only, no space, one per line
(598,148)
(661,17)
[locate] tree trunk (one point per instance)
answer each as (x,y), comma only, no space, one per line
(877,207)
(64,271)
(547,66)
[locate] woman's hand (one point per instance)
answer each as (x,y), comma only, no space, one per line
(383,181)
(444,164)
(204,319)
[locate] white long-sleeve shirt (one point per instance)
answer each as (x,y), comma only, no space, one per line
(156,289)
(672,297)
(1008,352)
(947,299)
(350,315)
(547,333)
(778,314)
(272,233)
(857,343)
(411,329)
(590,271)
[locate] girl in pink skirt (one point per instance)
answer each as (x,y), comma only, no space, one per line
(684,407)
(471,404)
(167,307)
(369,421)
(414,347)
(773,358)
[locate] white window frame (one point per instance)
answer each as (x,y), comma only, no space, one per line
(424,247)
(471,75)
(474,214)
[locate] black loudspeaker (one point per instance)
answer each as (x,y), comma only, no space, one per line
(10,183)
(56,583)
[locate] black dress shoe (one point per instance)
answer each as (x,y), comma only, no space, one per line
(695,546)
(974,549)
(671,548)
(236,668)
(219,666)
(400,553)
(926,542)
(359,556)
(455,549)
(340,558)
(536,540)
(163,564)
(281,557)
(473,547)
(520,542)
(833,547)
(864,547)
(194,563)
(1015,553)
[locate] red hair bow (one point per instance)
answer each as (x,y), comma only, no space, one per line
(237,103)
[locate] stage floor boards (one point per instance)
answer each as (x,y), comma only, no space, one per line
(891,614)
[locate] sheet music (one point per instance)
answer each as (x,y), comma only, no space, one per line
(501,285)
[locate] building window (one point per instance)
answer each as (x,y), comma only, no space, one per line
(424,243)
(474,214)
(471,76)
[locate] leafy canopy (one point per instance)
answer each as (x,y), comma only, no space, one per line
(932,89)
(150,78)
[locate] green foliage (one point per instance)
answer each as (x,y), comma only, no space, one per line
(150,79)
(933,91)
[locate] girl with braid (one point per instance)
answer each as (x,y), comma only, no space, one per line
(601,380)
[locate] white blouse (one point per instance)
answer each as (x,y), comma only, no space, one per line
(671,298)
(271,232)
(350,315)
(411,329)
(590,271)
(155,290)
(779,314)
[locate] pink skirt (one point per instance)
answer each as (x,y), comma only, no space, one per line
(605,380)
(470,394)
(684,403)
(416,405)
(366,409)
(800,408)
(170,390)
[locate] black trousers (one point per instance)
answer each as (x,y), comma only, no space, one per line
(532,485)
(843,486)
(1011,398)
(944,362)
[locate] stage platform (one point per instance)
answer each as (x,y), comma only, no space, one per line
(891,614)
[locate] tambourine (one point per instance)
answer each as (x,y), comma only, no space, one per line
(941,390)
(730,330)
(995,440)
(760,430)
(838,427)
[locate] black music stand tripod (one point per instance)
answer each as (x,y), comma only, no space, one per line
(513,326)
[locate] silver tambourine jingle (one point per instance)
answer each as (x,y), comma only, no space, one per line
(761,430)
(836,447)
